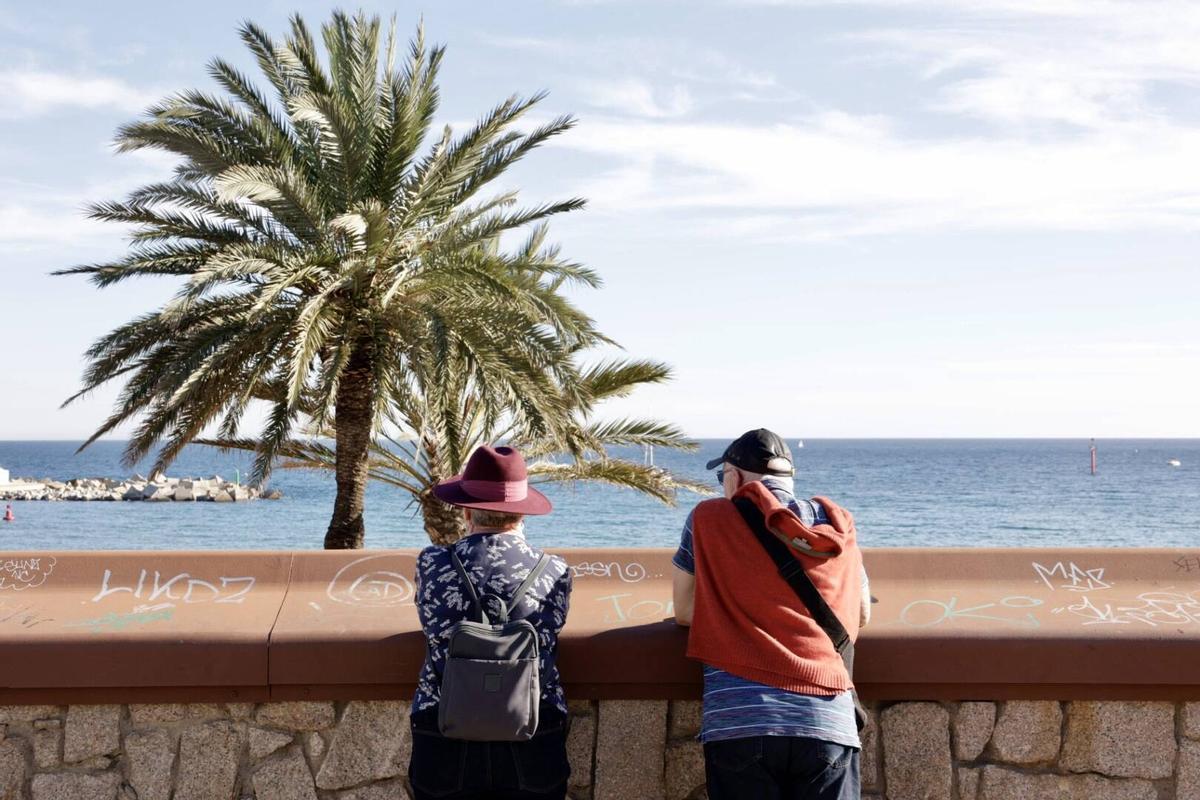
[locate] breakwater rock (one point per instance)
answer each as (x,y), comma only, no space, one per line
(153,490)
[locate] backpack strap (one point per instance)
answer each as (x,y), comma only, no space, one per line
(533,575)
(476,606)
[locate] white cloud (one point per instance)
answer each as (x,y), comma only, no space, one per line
(656,77)
(638,98)
(34,216)
(34,224)
(1029,115)
(30,93)
(1010,61)
(835,175)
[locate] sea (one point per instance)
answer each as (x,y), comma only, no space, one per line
(902,492)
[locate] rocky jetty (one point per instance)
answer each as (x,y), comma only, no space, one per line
(152,490)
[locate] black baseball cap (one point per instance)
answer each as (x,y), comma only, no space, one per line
(759,451)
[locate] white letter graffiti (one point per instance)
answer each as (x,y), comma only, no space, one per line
(1074,578)
(359,585)
(1151,608)
(628,573)
(209,592)
(25,573)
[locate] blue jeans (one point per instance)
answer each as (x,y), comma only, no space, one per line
(454,769)
(780,768)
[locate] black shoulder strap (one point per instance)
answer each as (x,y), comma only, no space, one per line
(793,572)
(480,615)
(477,604)
(533,575)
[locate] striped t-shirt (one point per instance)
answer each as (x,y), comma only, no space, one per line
(737,708)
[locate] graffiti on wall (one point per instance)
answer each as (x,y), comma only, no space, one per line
(25,572)
(371,583)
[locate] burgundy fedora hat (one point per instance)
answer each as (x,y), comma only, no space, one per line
(493,480)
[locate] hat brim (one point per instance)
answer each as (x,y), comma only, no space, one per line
(451,491)
(716,462)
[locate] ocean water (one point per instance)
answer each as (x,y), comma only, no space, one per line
(903,493)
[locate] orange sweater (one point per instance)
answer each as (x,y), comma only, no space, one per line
(747,620)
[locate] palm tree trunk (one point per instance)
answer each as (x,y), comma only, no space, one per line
(353,415)
(444,523)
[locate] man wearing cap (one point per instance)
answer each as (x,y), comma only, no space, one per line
(778,710)
(495,495)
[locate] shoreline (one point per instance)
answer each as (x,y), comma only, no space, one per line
(138,488)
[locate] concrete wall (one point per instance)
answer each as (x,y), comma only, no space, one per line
(620,750)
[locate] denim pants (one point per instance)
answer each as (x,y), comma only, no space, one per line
(453,769)
(780,768)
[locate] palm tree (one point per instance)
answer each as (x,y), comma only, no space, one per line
(322,252)
(432,430)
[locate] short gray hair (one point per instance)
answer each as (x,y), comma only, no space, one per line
(500,520)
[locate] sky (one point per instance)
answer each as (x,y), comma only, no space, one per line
(862,218)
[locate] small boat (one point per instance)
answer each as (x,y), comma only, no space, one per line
(1174,462)
(800,443)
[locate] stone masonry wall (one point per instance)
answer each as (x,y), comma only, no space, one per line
(626,749)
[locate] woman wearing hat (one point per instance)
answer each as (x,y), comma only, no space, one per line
(495,496)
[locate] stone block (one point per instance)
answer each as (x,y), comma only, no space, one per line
(868,762)
(1120,738)
(298,716)
(684,719)
(239,710)
(371,742)
(285,778)
(14,760)
(630,737)
(916,747)
(396,789)
(314,748)
(149,756)
(1187,773)
(208,762)
(973,724)
(1027,732)
(581,742)
(1001,783)
(91,731)
(968,783)
(205,711)
(47,744)
(26,713)
(143,714)
(263,742)
(1191,720)
(76,786)
(684,768)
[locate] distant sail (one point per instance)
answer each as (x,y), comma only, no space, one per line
(800,443)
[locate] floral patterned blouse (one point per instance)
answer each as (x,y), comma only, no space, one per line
(497,564)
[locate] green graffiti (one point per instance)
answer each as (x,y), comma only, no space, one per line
(119,622)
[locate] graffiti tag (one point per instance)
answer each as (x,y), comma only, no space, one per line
(25,572)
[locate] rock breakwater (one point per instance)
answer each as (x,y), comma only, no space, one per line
(154,490)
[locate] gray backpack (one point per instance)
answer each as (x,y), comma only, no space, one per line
(490,684)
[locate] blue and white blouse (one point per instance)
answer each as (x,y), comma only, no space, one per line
(497,564)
